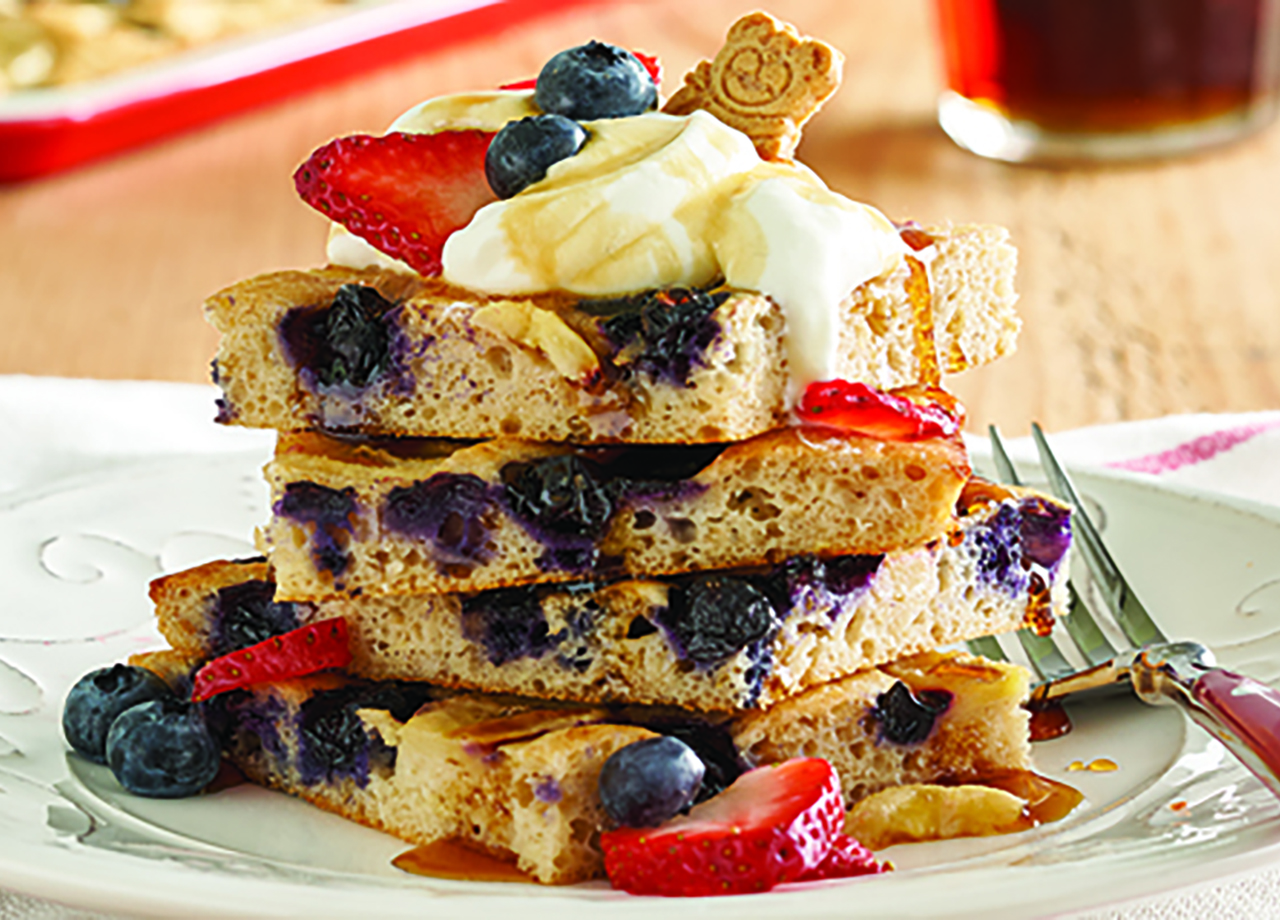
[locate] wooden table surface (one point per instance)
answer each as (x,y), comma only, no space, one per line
(1145,290)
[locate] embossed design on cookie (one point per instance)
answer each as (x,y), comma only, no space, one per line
(766,81)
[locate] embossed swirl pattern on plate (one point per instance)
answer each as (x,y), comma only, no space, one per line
(81,557)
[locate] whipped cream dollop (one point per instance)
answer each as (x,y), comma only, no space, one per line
(658,200)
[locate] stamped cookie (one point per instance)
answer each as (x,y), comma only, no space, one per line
(766,81)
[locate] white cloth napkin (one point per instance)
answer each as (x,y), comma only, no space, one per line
(1238,455)
(52,428)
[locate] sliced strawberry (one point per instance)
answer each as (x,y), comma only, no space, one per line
(893,416)
(845,859)
(403,193)
(296,653)
(773,825)
(650,62)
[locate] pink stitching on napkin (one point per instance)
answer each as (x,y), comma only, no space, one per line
(1202,448)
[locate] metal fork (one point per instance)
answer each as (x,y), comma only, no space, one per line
(1241,712)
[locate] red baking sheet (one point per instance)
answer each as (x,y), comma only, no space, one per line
(44,131)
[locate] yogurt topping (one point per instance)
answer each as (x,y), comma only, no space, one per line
(636,208)
(486,111)
(807,247)
(659,200)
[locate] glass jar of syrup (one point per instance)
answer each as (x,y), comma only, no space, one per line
(1106,79)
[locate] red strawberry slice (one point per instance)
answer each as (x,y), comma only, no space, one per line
(845,859)
(296,653)
(403,193)
(773,825)
(893,416)
(650,62)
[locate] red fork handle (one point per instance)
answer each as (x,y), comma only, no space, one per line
(1245,715)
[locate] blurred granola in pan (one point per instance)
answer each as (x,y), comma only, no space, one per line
(59,42)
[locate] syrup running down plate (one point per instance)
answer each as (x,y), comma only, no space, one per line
(75,559)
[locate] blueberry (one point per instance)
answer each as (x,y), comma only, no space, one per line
(356,338)
(330,510)
(347,343)
(335,744)
(715,748)
(715,616)
(510,623)
(595,80)
(561,494)
(581,623)
(784,582)
(312,503)
(649,782)
(906,717)
(454,511)
(524,150)
(162,749)
(246,614)
(846,574)
(1045,532)
(98,698)
(999,543)
(664,334)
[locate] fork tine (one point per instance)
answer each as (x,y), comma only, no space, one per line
(1079,622)
(1046,658)
(1083,630)
(987,647)
(1123,604)
(1004,466)
(1104,570)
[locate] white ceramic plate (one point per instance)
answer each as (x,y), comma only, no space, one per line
(74,562)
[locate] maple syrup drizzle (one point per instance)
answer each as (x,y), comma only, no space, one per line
(973,670)
(979,492)
(1049,719)
(450,859)
(1097,765)
(1039,616)
(921,301)
(1047,799)
(914,237)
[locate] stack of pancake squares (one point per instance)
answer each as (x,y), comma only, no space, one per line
(553,526)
